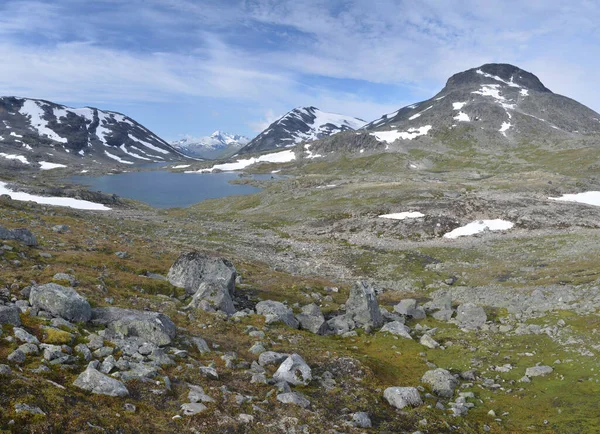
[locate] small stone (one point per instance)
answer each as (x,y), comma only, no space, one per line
(428,341)
(209,372)
(17,356)
(361,420)
(193,408)
(293,398)
(538,371)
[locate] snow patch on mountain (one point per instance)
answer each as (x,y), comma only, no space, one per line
(393,135)
(275,157)
(33,109)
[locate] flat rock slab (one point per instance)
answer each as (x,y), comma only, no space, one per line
(154,327)
(538,371)
(96,382)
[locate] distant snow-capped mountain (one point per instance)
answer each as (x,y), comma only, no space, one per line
(32,130)
(303,124)
(218,145)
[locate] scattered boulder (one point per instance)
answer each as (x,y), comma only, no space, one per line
(398,329)
(441,381)
(24,408)
(362,306)
(312,319)
(193,268)
(96,382)
(271,358)
(470,316)
(60,229)
(60,301)
(274,311)
(428,341)
(21,235)
(154,327)
(10,315)
(200,344)
(408,307)
(293,398)
(361,420)
(122,255)
(216,294)
(193,408)
(67,278)
(538,371)
(401,397)
(294,370)
(341,324)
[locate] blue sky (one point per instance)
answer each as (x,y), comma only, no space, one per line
(184,67)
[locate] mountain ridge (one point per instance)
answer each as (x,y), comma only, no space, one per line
(218,145)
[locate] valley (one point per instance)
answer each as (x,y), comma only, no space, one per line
(391,278)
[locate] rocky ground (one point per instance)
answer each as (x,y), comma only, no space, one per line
(300,310)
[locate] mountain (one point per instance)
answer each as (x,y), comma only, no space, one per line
(303,124)
(217,145)
(32,129)
(500,103)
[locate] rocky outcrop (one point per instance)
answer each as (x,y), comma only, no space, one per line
(153,327)
(60,301)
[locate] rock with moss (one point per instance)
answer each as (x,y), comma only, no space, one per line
(154,327)
(401,397)
(10,315)
(441,381)
(96,382)
(60,301)
(21,235)
(362,306)
(193,268)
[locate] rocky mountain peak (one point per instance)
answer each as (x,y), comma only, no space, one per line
(501,73)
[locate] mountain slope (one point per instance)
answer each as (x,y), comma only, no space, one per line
(218,145)
(303,124)
(501,102)
(33,129)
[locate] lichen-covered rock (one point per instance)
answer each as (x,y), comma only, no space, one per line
(153,327)
(21,235)
(193,268)
(362,306)
(216,294)
(398,329)
(441,381)
(470,316)
(294,370)
(401,397)
(10,315)
(277,311)
(60,301)
(96,382)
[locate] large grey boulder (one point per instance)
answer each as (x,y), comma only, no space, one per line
(153,327)
(10,315)
(312,319)
(217,296)
(362,306)
(441,381)
(274,311)
(193,268)
(294,370)
(21,235)
(94,381)
(401,397)
(470,316)
(60,301)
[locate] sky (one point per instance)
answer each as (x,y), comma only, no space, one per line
(188,68)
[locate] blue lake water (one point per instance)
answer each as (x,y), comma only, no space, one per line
(163,189)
